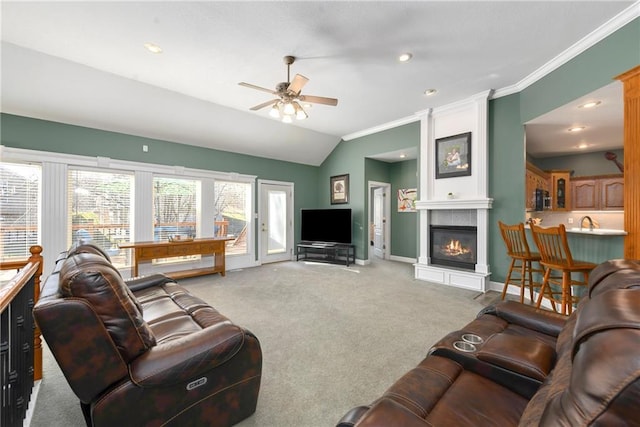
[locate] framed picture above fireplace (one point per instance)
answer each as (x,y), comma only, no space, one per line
(453,156)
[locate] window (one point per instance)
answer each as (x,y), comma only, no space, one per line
(175,203)
(19,209)
(100,210)
(233,213)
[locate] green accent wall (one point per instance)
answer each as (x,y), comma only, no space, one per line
(404,225)
(34,134)
(350,157)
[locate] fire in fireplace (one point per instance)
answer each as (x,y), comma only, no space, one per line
(453,246)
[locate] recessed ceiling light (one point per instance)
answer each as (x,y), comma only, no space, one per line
(430,92)
(589,104)
(402,156)
(583,145)
(153,48)
(576,129)
(405,57)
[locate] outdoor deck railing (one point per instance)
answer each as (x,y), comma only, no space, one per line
(20,342)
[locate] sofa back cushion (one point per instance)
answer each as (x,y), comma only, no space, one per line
(614,274)
(604,383)
(92,277)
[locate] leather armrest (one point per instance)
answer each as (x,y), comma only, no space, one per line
(527,356)
(544,321)
(353,416)
(386,412)
(186,357)
(138,283)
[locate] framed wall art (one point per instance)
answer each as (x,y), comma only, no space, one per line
(407,199)
(339,189)
(453,156)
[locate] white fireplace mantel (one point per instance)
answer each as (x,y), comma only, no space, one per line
(469,192)
(455,204)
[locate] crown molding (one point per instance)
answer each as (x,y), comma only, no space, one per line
(380,128)
(599,34)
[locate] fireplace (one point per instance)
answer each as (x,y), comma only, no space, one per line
(453,246)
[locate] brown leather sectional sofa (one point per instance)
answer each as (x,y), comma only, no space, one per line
(145,352)
(529,367)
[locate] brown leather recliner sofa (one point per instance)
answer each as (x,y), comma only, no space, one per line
(145,352)
(532,367)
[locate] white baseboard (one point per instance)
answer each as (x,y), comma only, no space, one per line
(513,290)
(403,259)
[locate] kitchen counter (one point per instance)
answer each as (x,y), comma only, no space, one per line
(597,231)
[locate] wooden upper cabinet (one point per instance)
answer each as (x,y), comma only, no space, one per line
(598,193)
(561,190)
(585,194)
(612,193)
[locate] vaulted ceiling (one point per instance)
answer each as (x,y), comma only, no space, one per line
(84,63)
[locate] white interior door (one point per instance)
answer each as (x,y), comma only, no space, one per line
(379,222)
(275,221)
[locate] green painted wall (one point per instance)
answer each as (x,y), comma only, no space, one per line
(33,134)
(349,157)
(586,164)
(506,176)
(404,225)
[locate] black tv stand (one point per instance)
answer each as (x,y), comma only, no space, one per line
(335,253)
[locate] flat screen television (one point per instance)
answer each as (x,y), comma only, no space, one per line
(326,225)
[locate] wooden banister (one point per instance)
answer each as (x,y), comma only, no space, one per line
(31,267)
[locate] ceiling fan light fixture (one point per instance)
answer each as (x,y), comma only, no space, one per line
(289,109)
(275,111)
(300,113)
(286,119)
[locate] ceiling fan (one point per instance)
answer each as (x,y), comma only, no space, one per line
(287,103)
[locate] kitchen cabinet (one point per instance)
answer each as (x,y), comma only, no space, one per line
(560,190)
(598,193)
(535,179)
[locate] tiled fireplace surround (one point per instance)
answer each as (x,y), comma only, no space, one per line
(469,205)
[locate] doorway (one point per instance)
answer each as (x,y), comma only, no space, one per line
(379,220)
(275,221)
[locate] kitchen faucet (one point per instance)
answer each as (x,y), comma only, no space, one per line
(587,217)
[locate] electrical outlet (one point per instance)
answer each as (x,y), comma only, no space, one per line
(570,220)
(145,148)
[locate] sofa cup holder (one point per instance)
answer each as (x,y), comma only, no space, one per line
(472,339)
(464,346)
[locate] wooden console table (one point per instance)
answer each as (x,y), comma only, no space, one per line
(148,251)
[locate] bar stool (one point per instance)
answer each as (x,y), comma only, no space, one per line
(522,260)
(556,256)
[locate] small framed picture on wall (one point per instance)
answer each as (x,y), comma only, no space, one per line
(453,156)
(339,189)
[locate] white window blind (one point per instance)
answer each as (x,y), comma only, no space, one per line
(100,210)
(233,213)
(19,209)
(175,204)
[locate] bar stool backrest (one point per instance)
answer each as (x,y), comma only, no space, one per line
(515,239)
(552,244)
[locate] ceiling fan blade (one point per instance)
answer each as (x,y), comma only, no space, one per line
(297,84)
(250,86)
(318,100)
(264,104)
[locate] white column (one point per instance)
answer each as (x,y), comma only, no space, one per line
(425,190)
(54,216)
(143,207)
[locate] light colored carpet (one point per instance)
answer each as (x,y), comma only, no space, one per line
(332,337)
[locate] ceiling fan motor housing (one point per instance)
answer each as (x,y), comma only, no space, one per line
(282,87)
